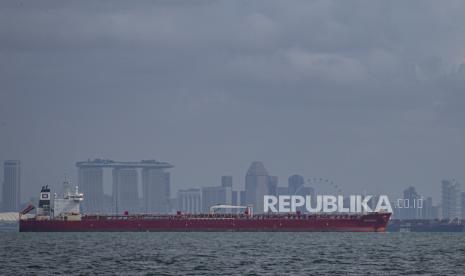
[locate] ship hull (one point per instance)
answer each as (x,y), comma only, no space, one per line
(361,223)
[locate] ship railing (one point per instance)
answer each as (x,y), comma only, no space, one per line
(290,216)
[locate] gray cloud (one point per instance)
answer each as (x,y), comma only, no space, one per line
(370,94)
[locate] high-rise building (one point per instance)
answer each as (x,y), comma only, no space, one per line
(435,212)
(241,200)
(429,211)
(306,191)
(215,196)
(272,185)
(90,181)
(462,205)
(125,193)
(155,182)
(173,205)
(235,197)
(189,201)
(450,195)
(256,186)
(295,182)
(11,192)
(227,181)
(296,186)
(412,209)
(282,191)
(156,190)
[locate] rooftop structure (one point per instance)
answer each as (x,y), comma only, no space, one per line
(107,163)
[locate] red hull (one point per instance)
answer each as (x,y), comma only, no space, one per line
(185,223)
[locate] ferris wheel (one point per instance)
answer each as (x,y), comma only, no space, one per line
(324,183)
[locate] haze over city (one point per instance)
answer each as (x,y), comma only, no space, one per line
(368,95)
(181,137)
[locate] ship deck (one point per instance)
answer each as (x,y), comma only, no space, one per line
(287,216)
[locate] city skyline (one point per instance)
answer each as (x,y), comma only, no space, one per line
(108,184)
(154,192)
(264,137)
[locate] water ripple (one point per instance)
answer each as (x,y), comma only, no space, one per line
(232,253)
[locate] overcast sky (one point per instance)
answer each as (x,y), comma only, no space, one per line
(369,94)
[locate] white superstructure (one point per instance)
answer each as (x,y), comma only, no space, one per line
(69,205)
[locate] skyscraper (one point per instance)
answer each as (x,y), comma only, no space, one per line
(11,186)
(280,190)
(155,182)
(214,196)
(90,181)
(305,191)
(227,181)
(241,198)
(462,205)
(411,209)
(256,186)
(295,182)
(429,211)
(235,198)
(156,190)
(450,195)
(272,185)
(189,201)
(125,193)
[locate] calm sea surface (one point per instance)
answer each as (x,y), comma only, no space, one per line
(232,253)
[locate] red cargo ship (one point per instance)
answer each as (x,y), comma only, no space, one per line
(67,218)
(373,222)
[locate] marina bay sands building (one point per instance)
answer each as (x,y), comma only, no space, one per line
(125,192)
(156,190)
(90,180)
(125,197)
